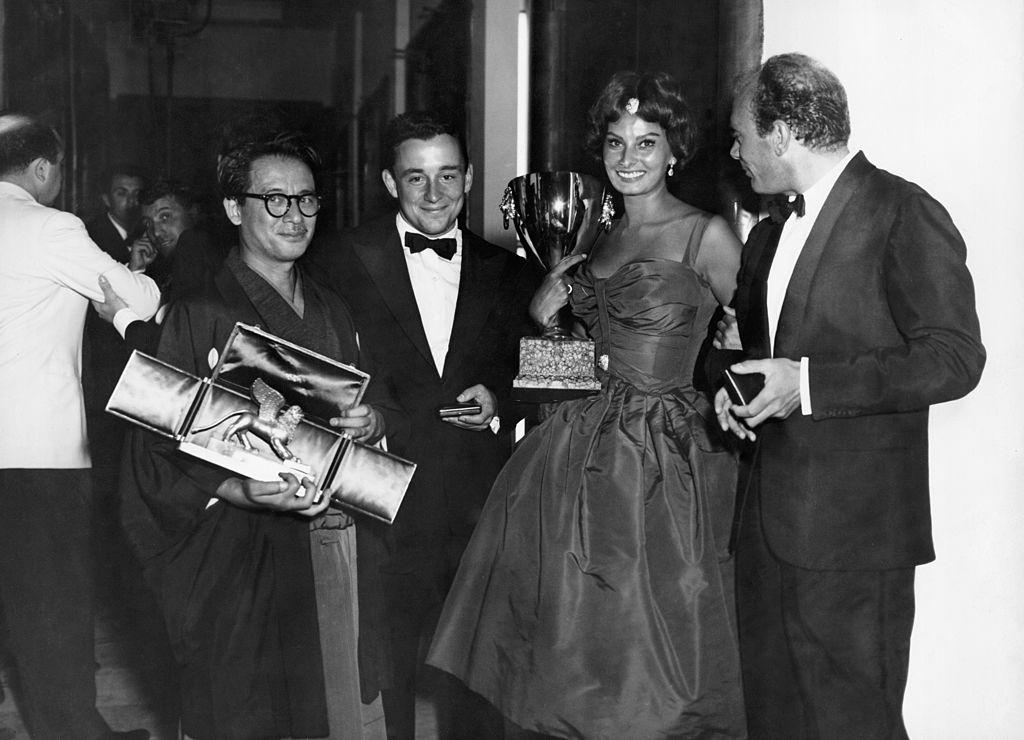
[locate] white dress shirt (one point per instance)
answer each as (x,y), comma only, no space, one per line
(435,283)
(791,243)
(49,268)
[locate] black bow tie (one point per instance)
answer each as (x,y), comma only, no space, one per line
(417,243)
(781,206)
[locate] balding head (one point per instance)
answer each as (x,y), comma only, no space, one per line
(31,156)
(24,139)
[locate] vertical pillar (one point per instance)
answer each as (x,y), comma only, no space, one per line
(354,180)
(3,56)
(740,42)
(547,70)
(402,31)
(491,134)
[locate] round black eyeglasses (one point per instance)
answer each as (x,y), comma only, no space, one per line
(278,204)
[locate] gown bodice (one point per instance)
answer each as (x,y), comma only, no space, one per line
(650,317)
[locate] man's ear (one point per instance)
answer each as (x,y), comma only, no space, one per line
(389,182)
(780,136)
(40,169)
(231,208)
(469,179)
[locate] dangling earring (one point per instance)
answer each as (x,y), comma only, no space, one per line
(607,212)
(671,167)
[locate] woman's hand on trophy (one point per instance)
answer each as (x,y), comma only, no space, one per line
(288,494)
(362,423)
(553,292)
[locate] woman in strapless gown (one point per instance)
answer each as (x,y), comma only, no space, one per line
(595,597)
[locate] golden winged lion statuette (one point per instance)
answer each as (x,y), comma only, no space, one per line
(274,424)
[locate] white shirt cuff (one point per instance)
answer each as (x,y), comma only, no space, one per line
(805,387)
(123,318)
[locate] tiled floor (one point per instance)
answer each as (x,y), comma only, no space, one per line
(135,688)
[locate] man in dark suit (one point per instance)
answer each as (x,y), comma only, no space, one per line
(861,314)
(115,229)
(103,357)
(445,309)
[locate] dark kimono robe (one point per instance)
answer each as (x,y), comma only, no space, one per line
(236,586)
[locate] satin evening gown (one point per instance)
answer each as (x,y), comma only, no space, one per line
(595,597)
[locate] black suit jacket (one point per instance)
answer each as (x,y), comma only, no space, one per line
(108,238)
(882,304)
(103,358)
(456,467)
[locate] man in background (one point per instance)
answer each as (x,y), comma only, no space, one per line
(103,356)
(49,270)
(116,228)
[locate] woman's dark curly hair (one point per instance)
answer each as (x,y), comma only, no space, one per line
(660,102)
(806,95)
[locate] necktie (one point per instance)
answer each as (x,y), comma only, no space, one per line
(781,206)
(417,243)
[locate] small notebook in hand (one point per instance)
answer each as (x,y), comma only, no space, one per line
(742,388)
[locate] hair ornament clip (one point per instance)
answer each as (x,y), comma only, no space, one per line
(632,106)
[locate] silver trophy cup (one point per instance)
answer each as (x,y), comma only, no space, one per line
(556,214)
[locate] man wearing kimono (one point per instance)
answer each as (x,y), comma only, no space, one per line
(230,558)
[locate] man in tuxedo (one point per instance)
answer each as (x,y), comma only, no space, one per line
(445,309)
(103,357)
(859,311)
(116,228)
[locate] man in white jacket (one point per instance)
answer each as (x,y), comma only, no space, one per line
(49,271)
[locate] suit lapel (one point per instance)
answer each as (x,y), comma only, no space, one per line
(381,253)
(476,288)
(751,291)
(794,306)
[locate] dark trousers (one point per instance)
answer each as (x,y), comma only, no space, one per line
(46,588)
(824,653)
(412,603)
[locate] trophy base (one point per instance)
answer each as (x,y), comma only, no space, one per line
(527,389)
(554,370)
(245,462)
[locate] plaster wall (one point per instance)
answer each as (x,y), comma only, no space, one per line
(936,93)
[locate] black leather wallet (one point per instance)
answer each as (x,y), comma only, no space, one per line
(742,388)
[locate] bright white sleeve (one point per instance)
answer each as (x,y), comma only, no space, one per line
(72,259)
(805,387)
